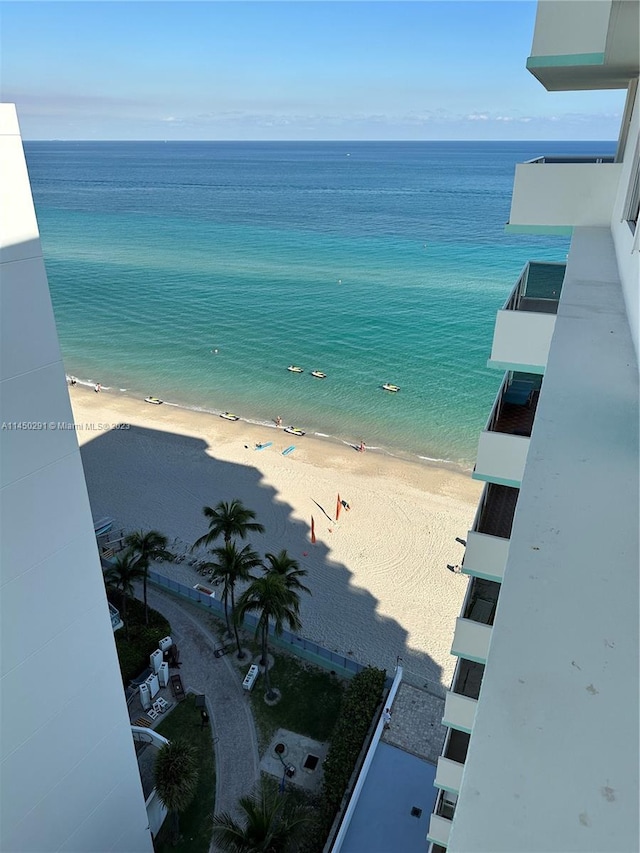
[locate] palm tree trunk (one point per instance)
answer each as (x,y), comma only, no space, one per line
(241,654)
(144,595)
(265,659)
(124,615)
(225,600)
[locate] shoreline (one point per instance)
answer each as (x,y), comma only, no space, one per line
(379,579)
(387,451)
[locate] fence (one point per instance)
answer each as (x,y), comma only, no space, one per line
(300,646)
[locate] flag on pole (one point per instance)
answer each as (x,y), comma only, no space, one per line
(313,531)
(338,507)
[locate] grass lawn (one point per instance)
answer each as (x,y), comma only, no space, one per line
(309,705)
(195,823)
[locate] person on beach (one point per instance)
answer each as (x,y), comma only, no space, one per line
(98,388)
(362,447)
(278,421)
(345,505)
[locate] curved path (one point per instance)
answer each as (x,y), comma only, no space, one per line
(232,726)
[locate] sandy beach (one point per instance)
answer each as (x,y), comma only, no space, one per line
(379,577)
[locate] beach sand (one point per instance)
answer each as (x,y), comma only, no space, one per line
(379,578)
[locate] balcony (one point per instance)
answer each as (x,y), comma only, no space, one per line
(471,640)
(585,45)
(116,621)
(504,442)
(440,823)
(488,540)
(459,712)
(524,326)
(551,195)
(448,775)
(460,705)
(467,679)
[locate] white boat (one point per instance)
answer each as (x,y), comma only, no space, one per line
(389,387)
(318,374)
(295,369)
(293,430)
(229,416)
(155,400)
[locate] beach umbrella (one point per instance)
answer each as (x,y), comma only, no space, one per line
(313,531)
(338,506)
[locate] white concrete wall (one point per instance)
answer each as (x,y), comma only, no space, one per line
(521,340)
(555,737)
(564,193)
(471,640)
(448,775)
(570,26)
(68,773)
(486,555)
(459,712)
(501,458)
(626,243)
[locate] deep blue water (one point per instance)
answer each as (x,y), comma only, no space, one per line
(373,262)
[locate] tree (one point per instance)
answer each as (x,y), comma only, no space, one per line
(228,520)
(269,597)
(176,778)
(272,822)
(122,575)
(228,567)
(288,568)
(146,547)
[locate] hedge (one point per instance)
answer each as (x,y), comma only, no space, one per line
(361,700)
(133,654)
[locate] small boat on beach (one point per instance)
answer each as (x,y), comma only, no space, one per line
(229,416)
(293,430)
(318,374)
(389,387)
(293,369)
(156,401)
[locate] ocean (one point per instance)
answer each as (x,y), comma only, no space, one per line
(198,271)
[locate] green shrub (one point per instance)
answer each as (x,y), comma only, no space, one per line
(133,654)
(360,702)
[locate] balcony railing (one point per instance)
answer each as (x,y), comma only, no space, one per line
(554,194)
(456,746)
(605,158)
(538,289)
(524,326)
(116,621)
(482,600)
(467,678)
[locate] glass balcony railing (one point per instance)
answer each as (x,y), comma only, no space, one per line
(538,289)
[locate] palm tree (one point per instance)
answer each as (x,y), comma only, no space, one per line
(176,778)
(288,568)
(146,547)
(122,574)
(228,520)
(269,597)
(230,566)
(272,824)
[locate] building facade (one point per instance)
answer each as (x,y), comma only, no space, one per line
(541,751)
(69,778)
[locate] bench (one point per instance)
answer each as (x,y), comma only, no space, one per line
(250,677)
(177,687)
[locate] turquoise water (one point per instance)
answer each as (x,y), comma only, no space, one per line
(373,262)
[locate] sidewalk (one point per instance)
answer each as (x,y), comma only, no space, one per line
(236,745)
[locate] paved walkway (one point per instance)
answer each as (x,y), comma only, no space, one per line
(236,744)
(416,723)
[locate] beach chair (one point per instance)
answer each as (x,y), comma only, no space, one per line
(162,704)
(152,714)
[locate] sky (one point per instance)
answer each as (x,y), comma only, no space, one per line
(300,70)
